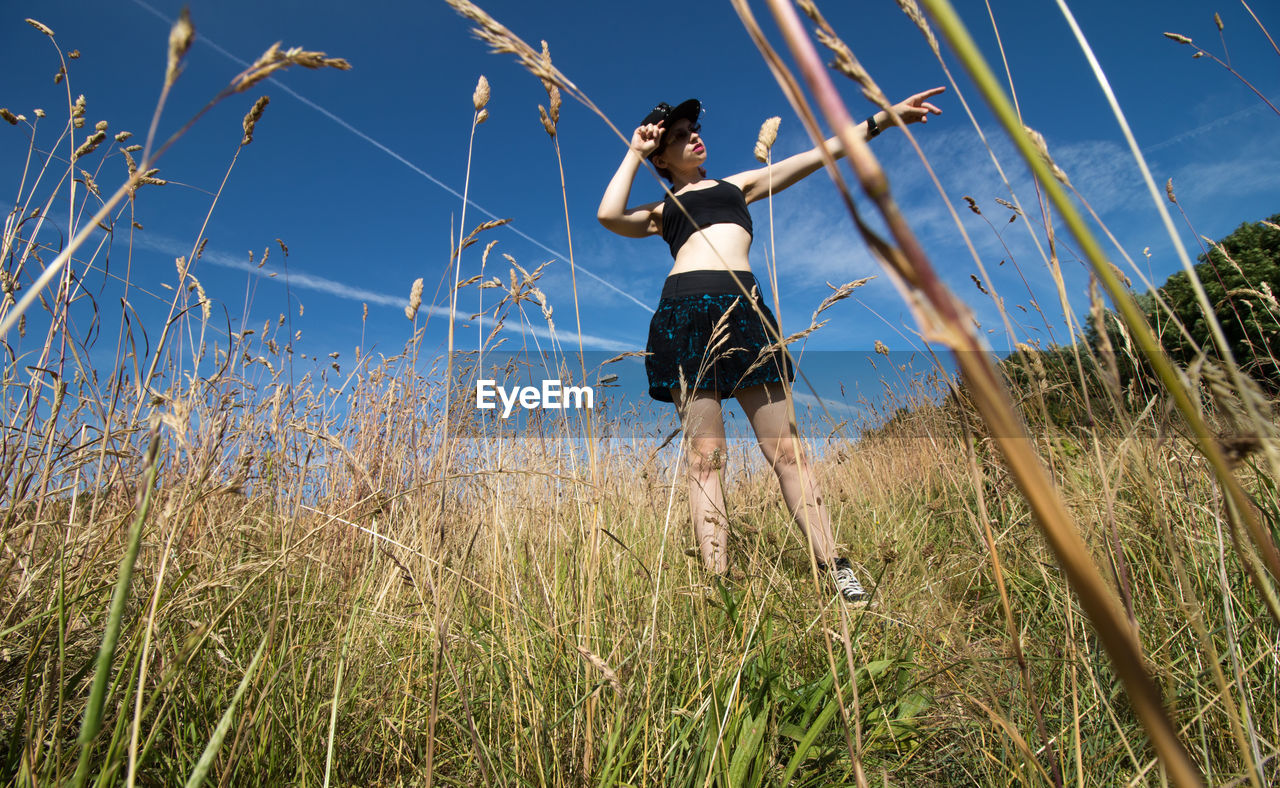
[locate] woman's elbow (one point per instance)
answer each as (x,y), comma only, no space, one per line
(611,222)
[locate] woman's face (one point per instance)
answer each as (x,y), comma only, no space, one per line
(683,148)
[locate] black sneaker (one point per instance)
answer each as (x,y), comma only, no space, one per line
(846,582)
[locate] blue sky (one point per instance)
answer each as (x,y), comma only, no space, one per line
(357,171)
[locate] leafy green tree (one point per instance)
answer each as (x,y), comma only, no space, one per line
(1241,276)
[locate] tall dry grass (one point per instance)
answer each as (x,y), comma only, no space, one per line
(224,566)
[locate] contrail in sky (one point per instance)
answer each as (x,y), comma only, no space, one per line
(1234,117)
(338,289)
(205,40)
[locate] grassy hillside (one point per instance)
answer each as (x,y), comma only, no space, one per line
(220,567)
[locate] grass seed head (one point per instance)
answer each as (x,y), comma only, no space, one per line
(123,135)
(274,59)
(180,37)
(206,308)
(100,126)
(481,95)
(1181,39)
(1217,20)
(41,26)
(90,184)
(415,299)
(251,119)
(8,116)
(1038,140)
(845,62)
(1168,190)
(89,145)
(39,113)
(553,92)
(503,41)
(599,664)
(768,135)
(912,10)
(482,117)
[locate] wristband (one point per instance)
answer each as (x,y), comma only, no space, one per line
(872,127)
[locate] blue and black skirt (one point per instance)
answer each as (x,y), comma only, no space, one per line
(706,335)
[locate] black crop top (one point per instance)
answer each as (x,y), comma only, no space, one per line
(723,203)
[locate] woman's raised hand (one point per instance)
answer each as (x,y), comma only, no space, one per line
(917,109)
(645,138)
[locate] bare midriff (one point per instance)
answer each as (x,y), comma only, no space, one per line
(719,247)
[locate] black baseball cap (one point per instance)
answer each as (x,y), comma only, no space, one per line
(666,114)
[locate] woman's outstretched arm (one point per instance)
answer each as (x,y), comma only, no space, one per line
(755,184)
(613,212)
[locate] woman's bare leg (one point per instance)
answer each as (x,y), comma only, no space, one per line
(767,410)
(706,453)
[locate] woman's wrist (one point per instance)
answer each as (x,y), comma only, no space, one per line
(874,127)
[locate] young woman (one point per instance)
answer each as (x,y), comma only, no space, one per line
(706,335)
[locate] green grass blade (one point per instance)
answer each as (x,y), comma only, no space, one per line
(802,749)
(748,747)
(220,732)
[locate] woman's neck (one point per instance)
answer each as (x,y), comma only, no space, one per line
(679,180)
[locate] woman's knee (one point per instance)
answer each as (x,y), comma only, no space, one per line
(706,455)
(783,454)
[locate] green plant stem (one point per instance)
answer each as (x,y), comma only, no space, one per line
(102,673)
